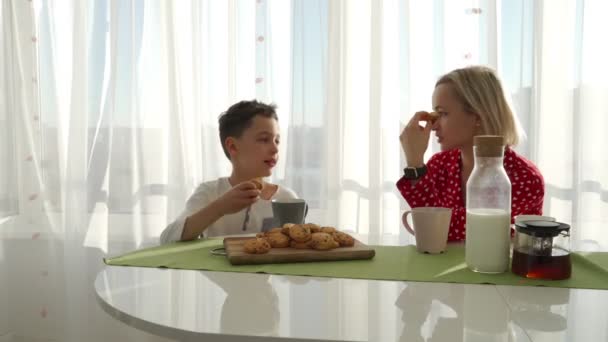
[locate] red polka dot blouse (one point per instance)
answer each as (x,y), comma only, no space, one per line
(441,187)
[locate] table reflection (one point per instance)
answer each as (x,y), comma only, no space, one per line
(540,309)
(430,312)
(478,324)
(253,311)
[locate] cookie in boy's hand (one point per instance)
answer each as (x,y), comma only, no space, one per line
(258,182)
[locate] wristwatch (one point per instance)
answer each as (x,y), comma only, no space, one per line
(414,172)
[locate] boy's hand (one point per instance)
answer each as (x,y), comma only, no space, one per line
(415,139)
(240,196)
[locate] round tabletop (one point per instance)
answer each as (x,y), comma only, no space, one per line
(225,306)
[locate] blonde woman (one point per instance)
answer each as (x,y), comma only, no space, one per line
(466,102)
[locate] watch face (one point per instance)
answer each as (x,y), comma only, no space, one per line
(414,173)
(410,173)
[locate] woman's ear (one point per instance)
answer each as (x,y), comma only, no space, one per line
(477,124)
(477,121)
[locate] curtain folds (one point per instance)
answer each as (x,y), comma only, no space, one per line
(108,121)
(109,116)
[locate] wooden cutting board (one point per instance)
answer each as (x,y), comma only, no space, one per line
(237,256)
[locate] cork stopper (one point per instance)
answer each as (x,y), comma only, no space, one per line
(489,145)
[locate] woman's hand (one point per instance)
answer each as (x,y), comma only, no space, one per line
(240,196)
(415,139)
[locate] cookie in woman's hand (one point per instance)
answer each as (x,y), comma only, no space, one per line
(430,117)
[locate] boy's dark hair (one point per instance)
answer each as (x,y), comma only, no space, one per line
(238,117)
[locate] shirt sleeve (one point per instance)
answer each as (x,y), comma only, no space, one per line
(173,231)
(424,192)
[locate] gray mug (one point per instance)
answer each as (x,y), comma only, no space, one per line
(289,211)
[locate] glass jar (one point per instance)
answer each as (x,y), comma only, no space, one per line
(488,208)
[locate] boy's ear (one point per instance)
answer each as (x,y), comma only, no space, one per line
(231,147)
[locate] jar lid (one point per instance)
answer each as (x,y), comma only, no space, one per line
(542,228)
(488,140)
(489,145)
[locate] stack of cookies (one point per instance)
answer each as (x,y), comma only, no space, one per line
(299,236)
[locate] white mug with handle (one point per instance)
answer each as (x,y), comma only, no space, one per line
(431,226)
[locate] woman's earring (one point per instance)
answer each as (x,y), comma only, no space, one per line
(478,128)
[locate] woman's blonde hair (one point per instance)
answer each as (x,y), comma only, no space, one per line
(481,93)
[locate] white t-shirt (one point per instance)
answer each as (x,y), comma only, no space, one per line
(260,213)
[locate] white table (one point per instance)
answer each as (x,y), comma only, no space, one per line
(226,306)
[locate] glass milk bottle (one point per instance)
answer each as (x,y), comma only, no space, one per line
(488,225)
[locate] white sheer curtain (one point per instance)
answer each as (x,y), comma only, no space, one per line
(110,110)
(108,117)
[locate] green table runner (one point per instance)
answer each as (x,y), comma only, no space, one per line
(589,270)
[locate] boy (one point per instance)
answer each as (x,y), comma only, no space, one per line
(239,204)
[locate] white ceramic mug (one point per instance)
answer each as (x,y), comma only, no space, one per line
(431,226)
